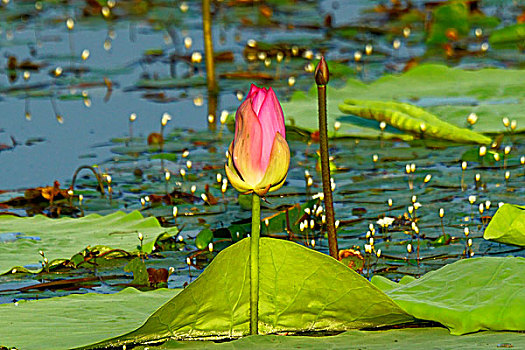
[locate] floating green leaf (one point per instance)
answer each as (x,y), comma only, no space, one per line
(204,238)
(452,15)
(300,290)
(406,117)
(393,339)
(383,283)
(513,33)
(76,320)
(507,225)
(449,93)
(167,156)
(472,155)
(65,237)
(481,20)
(467,296)
(287,220)
(170,83)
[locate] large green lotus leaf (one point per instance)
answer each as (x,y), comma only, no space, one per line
(64,237)
(300,290)
(449,93)
(77,319)
(507,225)
(394,339)
(407,117)
(467,296)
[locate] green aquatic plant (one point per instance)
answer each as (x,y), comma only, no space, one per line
(65,239)
(412,119)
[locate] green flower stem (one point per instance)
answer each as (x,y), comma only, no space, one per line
(325,171)
(254,264)
(322,76)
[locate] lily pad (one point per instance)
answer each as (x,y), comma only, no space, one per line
(514,33)
(328,296)
(77,319)
(491,93)
(204,238)
(467,296)
(393,339)
(65,237)
(507,225)
(451,16)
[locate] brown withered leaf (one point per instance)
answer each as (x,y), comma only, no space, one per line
(353,258)
(247,75)
(159,97)
(225,56)
(109,87)
(212,200)
(170,197)
(314,136)
(212,167)
(396,9)
(4,147)
(155,139)
(43,194)
(411,63)
(521,18)
(266,11)
(156,276)
(201,143)
(246,22)
(38,195)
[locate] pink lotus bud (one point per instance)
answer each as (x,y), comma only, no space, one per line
(259,155)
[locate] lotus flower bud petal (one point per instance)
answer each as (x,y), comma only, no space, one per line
(259,155)
(322,75)
(277,168)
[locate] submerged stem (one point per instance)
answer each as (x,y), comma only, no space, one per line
(210,64)
(254,264)
(208,46)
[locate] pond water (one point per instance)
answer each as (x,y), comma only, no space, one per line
(125,48)
(72,111)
